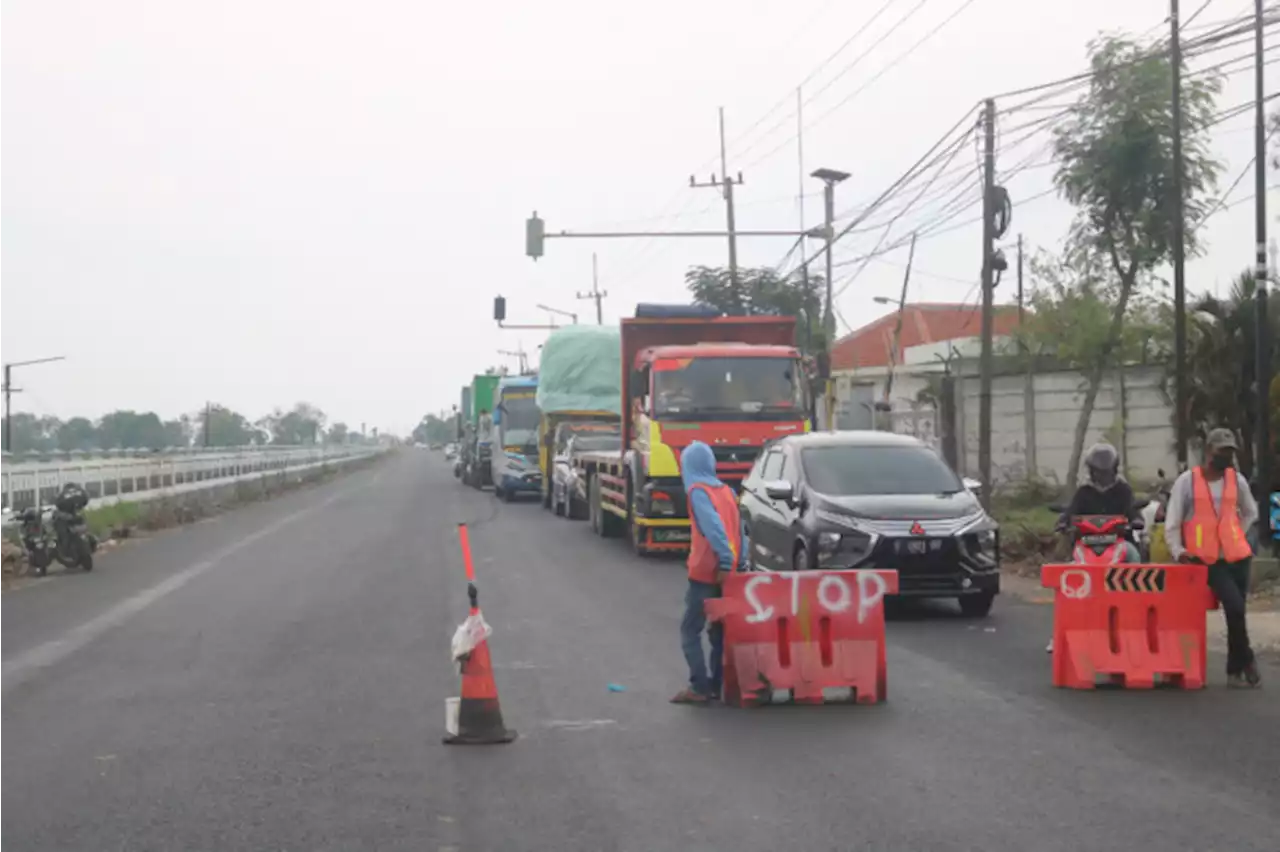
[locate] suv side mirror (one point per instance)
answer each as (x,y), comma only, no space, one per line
(779,489)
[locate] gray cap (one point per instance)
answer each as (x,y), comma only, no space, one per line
(1220,439)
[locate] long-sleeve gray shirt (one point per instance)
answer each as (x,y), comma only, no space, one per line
(1181,498)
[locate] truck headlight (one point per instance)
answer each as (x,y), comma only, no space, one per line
(660,503)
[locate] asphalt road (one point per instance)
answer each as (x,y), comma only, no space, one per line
(274,679)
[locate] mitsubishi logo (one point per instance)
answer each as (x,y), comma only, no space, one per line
(916,529)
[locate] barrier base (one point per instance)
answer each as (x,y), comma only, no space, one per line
(755,676)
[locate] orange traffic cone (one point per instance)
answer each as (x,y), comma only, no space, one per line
(479,716)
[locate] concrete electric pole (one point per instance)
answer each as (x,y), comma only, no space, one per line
(829,178)
(988,288)
(596,294)
(725,183)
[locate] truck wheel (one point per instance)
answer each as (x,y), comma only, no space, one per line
(574,510)
(593,506)
(636,534)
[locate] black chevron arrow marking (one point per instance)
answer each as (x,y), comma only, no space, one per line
(1111,580)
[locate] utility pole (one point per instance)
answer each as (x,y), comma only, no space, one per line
(208,421)
(829,178)
(9,390)
(8,399)
(596,294)
(725,184)
(897,329)
(1029,379)
(1262,369)
(804,260)
(1179,249)
(988,287)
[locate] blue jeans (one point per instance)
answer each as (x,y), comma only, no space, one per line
(691,627)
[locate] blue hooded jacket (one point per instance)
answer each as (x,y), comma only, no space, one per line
(698,467)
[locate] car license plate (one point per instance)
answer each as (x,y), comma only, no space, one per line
(918,546)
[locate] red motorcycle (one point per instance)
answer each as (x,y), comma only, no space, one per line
(1103,539)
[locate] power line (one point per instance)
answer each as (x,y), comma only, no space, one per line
(885,69)
(816,70)
(839,76)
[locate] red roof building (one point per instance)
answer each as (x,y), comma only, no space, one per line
(922,323)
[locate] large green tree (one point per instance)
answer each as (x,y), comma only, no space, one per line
(763,290)
(131,430)
(219,426)
(1114,155)
(302,424)
(78,433)
(32,433)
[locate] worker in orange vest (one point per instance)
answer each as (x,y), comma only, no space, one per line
(1207,517)
(717,544)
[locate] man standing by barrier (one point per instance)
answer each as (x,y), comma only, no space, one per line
(717,543)
(1209,511)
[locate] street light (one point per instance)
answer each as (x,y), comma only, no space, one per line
(568,314)
(9,389)
(829,178)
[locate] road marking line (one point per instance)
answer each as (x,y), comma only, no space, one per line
(28,662)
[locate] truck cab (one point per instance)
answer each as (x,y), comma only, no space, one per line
(734,383)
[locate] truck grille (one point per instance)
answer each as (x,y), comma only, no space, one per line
(734,463)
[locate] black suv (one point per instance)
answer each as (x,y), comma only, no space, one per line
(844,500)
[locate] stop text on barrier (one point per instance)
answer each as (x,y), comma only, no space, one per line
(834,594)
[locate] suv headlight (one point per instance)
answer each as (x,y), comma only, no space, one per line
(983,542)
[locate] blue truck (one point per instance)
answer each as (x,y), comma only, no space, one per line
(515,441)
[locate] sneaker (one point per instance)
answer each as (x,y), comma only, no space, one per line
(1237,681)
(689,696)
(1048,649)
(1252,676)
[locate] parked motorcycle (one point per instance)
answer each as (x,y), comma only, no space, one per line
(61,533)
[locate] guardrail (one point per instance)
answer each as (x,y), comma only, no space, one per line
(110,479)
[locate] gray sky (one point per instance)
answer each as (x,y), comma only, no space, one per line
(265,202)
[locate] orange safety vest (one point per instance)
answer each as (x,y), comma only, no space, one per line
(1212,537)
(703,563)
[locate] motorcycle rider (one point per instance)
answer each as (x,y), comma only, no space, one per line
(1104,492)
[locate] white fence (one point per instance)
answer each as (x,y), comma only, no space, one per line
(113,479)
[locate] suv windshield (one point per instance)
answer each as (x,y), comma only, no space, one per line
(849,470)
(766,388)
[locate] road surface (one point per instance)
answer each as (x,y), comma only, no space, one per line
(275,679)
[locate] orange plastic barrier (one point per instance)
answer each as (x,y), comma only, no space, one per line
(1128,625)
(816,635)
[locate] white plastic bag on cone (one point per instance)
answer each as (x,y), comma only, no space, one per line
(469,634)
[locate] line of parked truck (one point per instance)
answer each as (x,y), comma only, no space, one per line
(598,432)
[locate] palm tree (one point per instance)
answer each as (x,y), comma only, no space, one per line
(1221,362)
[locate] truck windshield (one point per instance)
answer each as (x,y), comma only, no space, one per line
(728,388)
(519,418)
